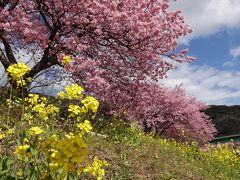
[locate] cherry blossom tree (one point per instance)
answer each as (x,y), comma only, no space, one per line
(170,112)
(108,39)
(115,45)
(164,111)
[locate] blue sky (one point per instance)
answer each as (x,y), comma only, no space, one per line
(215,42)
(215,50)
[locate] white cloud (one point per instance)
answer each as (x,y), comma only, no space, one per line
(230,63)
(207,17)
(208,84)
(235,52)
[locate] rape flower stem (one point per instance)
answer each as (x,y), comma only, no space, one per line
(9,107)
(23,106)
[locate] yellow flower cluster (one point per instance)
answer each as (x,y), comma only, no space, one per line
(90,103)
(21,151)
(8,132)
(17,71)
(44,111)
(66,60)
(96,168)
(40,107)
(46,144)
(35,131)
(9,103)
(73,91)
(2,135)
(76,110)
(223,154)
(68,153)
(52,110)
(85,127)
(65,155)
(32,99)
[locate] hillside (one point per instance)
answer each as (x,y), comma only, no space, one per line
(130,154)
(225,118)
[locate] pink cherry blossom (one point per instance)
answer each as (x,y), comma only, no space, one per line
(117,46)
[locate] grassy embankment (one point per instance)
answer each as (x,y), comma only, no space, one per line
(134,155)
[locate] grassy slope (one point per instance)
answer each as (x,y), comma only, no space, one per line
(133,155)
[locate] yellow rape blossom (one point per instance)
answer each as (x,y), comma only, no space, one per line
(69,136)
(2,135)
(44,111)
(21,150)
(49,142)
(17,71)
(32,99)
(9,103)
(28,117)
(53,167)
(10,131)
(68,152)
(66,60)
(76,110)
(96,168)
(21,82)
(73,91)
(35,131)
(25,140)
(90,103)
(52,110)
(40,109)
(85,127)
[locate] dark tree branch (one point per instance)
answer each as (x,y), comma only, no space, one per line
(45,63)
(5,62)
(13,5)
(45,20)
(43,12)
(47,59)
(3,4)
(8,50)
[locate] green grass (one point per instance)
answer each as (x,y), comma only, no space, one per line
(134,155)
